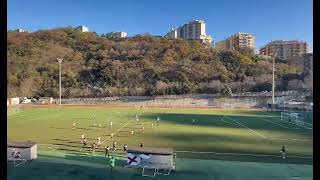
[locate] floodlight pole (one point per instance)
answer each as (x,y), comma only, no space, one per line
(60,61)
(273,84)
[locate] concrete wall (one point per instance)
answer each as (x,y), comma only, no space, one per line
(213,100)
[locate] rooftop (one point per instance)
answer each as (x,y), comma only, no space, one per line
(20,144)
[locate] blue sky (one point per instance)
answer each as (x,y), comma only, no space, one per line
(266,19)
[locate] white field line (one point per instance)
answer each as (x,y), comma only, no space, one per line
(278,124)
(259,116)
(295,123)
(243,154)
(298,125)
(118,130)
(228,122)
(247,128)
(211,152)
(283,139)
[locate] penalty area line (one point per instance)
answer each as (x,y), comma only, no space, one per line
(247,127)
(295,123)
(278,124)
(117,130)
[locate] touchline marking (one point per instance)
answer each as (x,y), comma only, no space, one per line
(247,127)
(279,124)
(308,140)
(211,152)
(242,154)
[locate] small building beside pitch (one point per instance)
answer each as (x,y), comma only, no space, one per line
(25,150)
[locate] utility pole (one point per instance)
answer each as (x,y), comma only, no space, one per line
(60,61)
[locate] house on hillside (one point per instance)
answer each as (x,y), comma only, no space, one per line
(83,28)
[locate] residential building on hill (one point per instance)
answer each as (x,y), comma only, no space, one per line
(240,39)
(83,28)
(193,30)
(285,50)
(119,34)
(20,30)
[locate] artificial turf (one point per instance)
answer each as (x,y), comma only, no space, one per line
(226,134)
(52,165)
(210,143)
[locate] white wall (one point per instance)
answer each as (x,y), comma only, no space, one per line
(14,101)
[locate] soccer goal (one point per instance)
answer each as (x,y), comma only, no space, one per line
(295,118)
(12,111)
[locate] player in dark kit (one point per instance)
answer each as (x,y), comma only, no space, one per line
(84,142)
(125,148)
(107,151)
(283,152)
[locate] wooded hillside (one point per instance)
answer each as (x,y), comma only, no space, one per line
(142,65)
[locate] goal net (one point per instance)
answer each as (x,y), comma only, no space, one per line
(295,118)
(12,111)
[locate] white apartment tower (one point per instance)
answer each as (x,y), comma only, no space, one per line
(193,30)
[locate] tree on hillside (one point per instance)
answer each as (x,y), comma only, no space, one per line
(141,65)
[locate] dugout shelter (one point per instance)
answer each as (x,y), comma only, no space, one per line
(156,160)
(20,152)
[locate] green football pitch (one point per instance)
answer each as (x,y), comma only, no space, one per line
(222,135)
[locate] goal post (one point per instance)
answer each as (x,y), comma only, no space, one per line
(292,117)
(13,110)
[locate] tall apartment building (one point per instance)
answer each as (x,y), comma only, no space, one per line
(83,28)
(237,40)
(285,50)
(193,30)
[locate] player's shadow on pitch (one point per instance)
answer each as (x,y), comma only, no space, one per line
(122,136)
(87,129)
(58,127)
(68,145)
(67,141)
(124,131)
(68,150)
